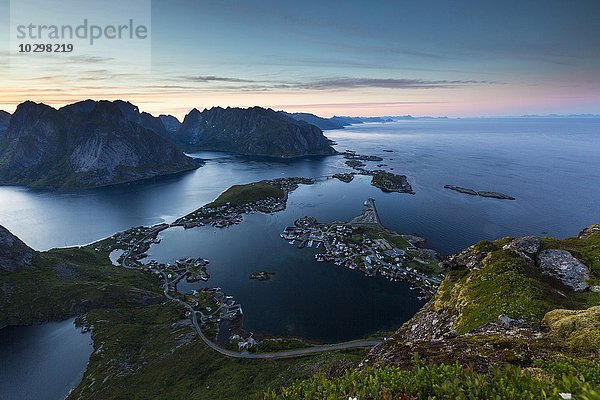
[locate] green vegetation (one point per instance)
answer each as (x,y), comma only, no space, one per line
(504,286)
(425,381)
(389,182)
(153,353)
(487,246)
(558,366)
(505,283)
(239,195)
(66,282)
(577,330)
(377,233)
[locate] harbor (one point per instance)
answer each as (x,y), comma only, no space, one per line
(364,244)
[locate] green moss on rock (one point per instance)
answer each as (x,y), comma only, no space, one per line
(578,330)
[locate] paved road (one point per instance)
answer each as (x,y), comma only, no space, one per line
(274,355)
(265,356)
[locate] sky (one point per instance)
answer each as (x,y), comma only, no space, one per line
(452,58)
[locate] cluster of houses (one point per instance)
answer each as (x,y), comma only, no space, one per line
(348,246)
(193,270)
(227,214)
(218,216)
(223,307)
(137,240)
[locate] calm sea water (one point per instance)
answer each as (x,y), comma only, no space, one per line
(305,298)
(42,362)
(551,166)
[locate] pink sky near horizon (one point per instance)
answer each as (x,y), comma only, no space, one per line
(459,102)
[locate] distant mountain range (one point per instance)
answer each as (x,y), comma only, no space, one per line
(340,122)
(559,116)
(98,143)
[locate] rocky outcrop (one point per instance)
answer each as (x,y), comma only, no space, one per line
(527,247)
(85,144)
(14,254)
(253,131)
(588,231)
(461,189)
(561,264)
(510,291)
(471,258)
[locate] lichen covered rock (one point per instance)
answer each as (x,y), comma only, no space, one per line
(561,264)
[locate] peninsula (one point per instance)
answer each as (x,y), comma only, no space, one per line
(253,131)
(364,244)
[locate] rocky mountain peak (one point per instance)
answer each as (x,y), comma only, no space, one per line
(251,131)
(86,144)
(14,254)
(34,119)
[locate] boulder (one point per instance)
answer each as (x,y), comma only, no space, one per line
(526,247)
(561,264)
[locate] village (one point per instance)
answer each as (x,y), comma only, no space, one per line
(219,314)
(361,244)
(229,208)
(364,245)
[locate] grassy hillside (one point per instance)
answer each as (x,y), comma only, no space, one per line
(65,282)
(239,195)
(153,353)
(455,381)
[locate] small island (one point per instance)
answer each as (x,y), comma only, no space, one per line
(355,164)
(261,275)
(460,189)
(266,196)
(386,181)
(472,192)
(352,155)
(389,182)
(347,178)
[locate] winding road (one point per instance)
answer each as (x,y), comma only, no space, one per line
(234,354)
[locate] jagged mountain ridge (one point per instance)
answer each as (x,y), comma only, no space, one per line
(254,131)
(84,144)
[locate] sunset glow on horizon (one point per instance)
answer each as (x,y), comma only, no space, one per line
(431,58)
